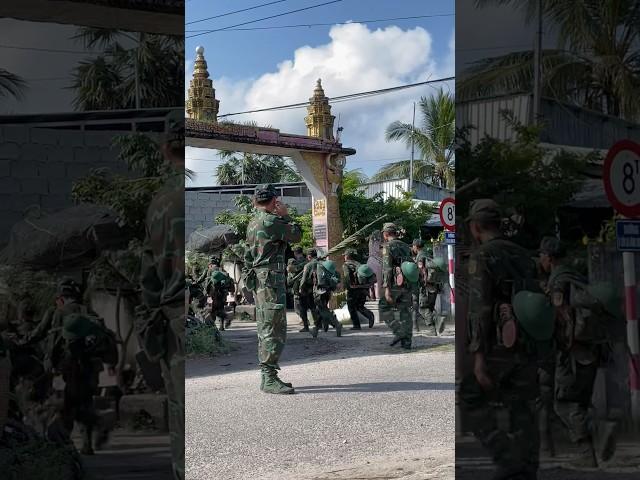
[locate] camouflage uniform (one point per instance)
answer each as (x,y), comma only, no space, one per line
(160,320)
(267,238)
(496,269)
(219,286)
(398,314)
(356,293)
(300,304)
(579,353)
(325,316)
(306,290)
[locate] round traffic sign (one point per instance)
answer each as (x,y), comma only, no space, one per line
(448,213)
(621,177)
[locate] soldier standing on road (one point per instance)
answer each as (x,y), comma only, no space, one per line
(399,280)
(219,285)
(294,270)
(268,235)
(581,339)
(419,298)
(504,376)
(160,318)
(356,291)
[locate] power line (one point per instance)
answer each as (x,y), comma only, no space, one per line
(274,27)
(352,96)
(235,11)
(266,18)
(48,50)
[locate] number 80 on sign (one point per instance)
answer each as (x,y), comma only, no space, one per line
(448,214)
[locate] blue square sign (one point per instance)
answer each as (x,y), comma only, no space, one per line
(450,238)
(628,235)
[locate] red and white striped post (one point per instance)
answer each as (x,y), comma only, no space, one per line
(452,280)
(633,338)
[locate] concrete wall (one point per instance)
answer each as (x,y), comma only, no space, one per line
(201,208)
(39,165)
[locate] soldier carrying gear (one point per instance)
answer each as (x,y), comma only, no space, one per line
(357,290)
(504,375)
(269,234)
(323,279)
(581,339)
(219,286)
(399,281)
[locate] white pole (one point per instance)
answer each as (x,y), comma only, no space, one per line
(452,280)
(633,340)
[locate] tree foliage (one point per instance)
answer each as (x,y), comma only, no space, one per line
(433,140)
(248,168)
(11,85)
(523,177)
(129,197)
(108,81)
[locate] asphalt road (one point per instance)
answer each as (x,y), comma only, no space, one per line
(362,410)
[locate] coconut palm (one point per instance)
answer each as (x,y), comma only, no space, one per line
(596,63)
(249,168)
(11,85)
(434,142)
(108,81)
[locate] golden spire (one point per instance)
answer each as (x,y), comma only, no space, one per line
(201,101)
(319,119)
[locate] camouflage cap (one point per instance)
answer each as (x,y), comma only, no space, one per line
(312,252)
(214,261)
(265,191)
(350,252)
(390,227)
(175,125)
(484,209)
(418,242)
(291,261)
(551,246)
(298,250)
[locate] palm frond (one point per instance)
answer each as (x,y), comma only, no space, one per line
(11,85)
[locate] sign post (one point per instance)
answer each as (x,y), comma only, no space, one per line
(622,184)
(448,219)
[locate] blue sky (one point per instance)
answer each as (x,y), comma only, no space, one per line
(263,68)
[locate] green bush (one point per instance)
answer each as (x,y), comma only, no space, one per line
(206,340)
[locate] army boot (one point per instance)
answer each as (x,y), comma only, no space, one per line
(338,329)
(305,324)
(272,384)
(605,441)
(406,343)
(314,332)
(87,434)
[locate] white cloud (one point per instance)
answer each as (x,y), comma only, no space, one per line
(356,59)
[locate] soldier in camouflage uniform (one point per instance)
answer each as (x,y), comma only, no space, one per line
(306,289)
(294,270)
(321,297)
(356,293)
(581,338)
(219,284)
(504,379)
(395,304)
(160,319)
(268,234)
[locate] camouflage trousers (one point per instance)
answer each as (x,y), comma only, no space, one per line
(271,318)
(505,419)
(303,305)
(398,316)
(172,365)
(574,384)
(356,300)
(325,315)
(545,402)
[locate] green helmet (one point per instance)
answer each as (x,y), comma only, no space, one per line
(534,314)
(218,276)
(608,296)
(410,271)
(76,326)
(440,263)
(329,265)
(364,272)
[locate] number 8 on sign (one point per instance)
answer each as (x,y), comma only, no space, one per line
(448,214)
(622,177)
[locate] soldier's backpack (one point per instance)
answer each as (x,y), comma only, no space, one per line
(326,276)
(91,330)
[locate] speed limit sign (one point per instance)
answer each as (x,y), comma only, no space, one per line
(448,213)
(622,178)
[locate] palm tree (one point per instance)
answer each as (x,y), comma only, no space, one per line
(11,85)
(249,168)
(434,142)
(144,71)
(596,63)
